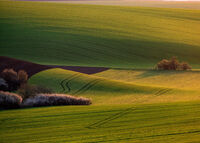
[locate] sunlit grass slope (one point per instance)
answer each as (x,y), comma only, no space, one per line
(103,91)
(173,79)
(169,123)
(88,35)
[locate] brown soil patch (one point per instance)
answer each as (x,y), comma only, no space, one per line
(15,64)
(32,68)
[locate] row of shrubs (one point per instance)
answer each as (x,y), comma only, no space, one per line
(172,64)
(12,100)
(27,95)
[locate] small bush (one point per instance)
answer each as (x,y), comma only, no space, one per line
(55,99)
(22,77)
(172,64)
(10,76)
(3,85)
(185,66)
(14,79)
(9,100)
(28,90)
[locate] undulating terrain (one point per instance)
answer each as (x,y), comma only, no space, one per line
(100,36)
(107,54)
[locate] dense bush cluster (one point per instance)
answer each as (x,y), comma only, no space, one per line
(10,100)
(55,100)
(30,95)
(3,84)
(172,64)
(28,90)
(13,79)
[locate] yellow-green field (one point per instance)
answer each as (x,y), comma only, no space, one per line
(160,123)
(129,105)
(116,90)
(174,79)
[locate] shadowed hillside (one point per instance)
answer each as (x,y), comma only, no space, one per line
(98,36)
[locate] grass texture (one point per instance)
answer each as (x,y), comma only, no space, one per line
(106,36)
(123,108)
(177,123)
(104,91)
(189,80)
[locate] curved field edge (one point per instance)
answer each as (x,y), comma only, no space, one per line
(188,80)
(88,35)
(104,91)
(177,123)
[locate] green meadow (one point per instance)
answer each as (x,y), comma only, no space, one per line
(91,35)
(104,91)
(131,102)
(160,123)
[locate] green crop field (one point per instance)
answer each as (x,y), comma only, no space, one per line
(128,106)
(89,35)
(160,123)
(105,91)
(175,79)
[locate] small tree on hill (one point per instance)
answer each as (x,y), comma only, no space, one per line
(172,64)
(13,79)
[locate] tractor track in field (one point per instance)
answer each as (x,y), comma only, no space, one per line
(122,113)
(87,86)
(68,80)
(66,88)
(163,91)
(110,118)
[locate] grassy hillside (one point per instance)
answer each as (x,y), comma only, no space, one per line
(159,123)
(88,35)
(103,91)
(174,79)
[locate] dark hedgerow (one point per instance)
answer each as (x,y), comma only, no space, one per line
(55,100)
(3,85)
(172,64)
(9,100)
(29,90)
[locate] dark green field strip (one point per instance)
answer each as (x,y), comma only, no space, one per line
(150,123)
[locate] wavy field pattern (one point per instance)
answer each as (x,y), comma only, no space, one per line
(88,35)
(158,123)
(131,102)
(104,91)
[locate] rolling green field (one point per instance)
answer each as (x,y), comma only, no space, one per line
(89,35)
(189,80)
(160,123)
(103,91)
(128,106)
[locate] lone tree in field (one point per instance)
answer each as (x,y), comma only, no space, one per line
(172,64)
